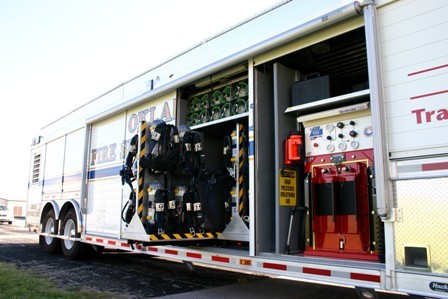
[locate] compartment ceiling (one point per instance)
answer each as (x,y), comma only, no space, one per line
(343,57)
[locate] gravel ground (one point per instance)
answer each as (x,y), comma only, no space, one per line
(126,275)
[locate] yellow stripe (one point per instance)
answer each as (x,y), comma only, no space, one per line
(241,179)
(166,237)
(240,207)
(141,170)
(142,139)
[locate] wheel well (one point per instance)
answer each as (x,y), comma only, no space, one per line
(65,208)
(60,213)
(68,206)
(49,206)
(45,210)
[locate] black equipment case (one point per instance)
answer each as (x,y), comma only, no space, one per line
(313,88)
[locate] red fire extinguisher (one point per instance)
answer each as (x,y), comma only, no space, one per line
(292,148)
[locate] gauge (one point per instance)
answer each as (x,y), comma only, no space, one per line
(354,144)
(368,131)
(329,127)
(342,146)
(330,148)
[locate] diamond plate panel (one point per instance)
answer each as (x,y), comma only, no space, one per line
(425,212)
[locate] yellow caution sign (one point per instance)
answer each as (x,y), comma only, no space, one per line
(288,187)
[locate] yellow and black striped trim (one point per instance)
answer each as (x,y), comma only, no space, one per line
(141,171)
(180,237)
(240,165)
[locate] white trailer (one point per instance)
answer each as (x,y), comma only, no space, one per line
(333,118)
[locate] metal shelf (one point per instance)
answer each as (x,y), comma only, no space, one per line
(221,120)
(330,101)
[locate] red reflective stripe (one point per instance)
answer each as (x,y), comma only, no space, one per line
(125,245)
(366,277)
(428,70)
(99,240)
(194,255)
(89,239)
(169,251)
(274,266)
(435,166)
(220,259)
(153,249)
(111,242)
(429,94)
(316,271)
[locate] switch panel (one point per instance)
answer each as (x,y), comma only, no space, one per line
(339,136)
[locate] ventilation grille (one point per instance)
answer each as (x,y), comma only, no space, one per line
(36,169)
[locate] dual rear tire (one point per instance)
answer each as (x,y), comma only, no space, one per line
(71,248)
(49,243)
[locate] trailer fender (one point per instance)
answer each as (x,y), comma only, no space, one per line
(68,205)
(51,205)
(48,206)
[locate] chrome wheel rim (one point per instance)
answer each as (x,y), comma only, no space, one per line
(70,232)
(49,229)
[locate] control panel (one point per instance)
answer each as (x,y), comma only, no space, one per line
(339,136)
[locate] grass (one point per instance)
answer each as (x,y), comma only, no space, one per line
(18,283)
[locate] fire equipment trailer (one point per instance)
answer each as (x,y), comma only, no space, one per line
(310,141)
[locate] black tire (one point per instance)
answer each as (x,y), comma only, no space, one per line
(71,249)
(49,244)
(10,222)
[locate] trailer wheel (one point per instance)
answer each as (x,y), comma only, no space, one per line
(72,249)
(50,226)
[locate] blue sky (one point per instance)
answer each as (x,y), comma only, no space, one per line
(56,55)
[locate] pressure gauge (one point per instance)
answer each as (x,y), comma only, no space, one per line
(329,127)
(368,131)
(342,146)
(354,144)
(330,148)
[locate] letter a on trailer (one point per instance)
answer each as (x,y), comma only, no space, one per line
(315,148)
